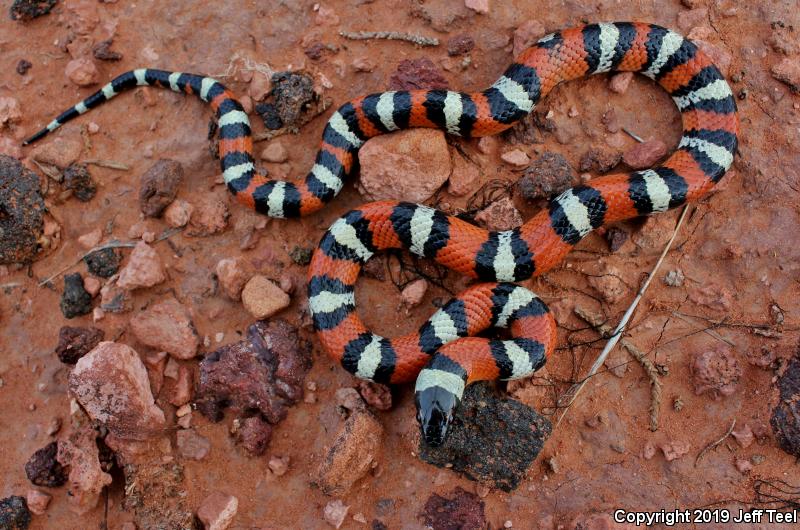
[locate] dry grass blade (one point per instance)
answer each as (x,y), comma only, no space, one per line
(573,392)
(712,445)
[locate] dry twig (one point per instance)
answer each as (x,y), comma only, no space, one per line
(647,365)
(107,163)
(712,445)
(390,35)
(573,392)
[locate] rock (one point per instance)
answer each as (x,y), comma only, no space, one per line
(674,278)
(744,466)
(500,215)
(253,434)
(111,384)
(82,72)
(91,239)
(326,16)
(348,399)
(419,73)
(25,10)
(354,450)
(301,255)
(278,465)
(233,274)
(14,513)
(375,394)
(674,449)
(178,213)
(783,39)
(459,510)
(61,152)
(75,301)
(785,418)
(9,147)
(526,35)
(619,82)
(716,372)
(9,111)
(293,92)
(516,158)
(487,145)
(460,45)
(42,468)
(275,152)
(102,51)
(713,297)
(23,66)
(413,293)
(788,71)
(644,155)
(464,178)
(210,217)
(158,187)
(92,285)
(144,269)
(492,441)
(649,451)
(262,298)
(363,64)
(615,237)
(78,179)
(74,343)
(420,155)
(38,501)
(87,479)
(690,18)
(192,445)
(103,263)
(744,435)
(546,176)
(479,6)
(184,386)
(335,512)
(218,510)
(599,160)
(264,372)
(167,326)
(609,284)
(22,220)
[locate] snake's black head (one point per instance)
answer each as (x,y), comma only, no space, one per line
(435,407)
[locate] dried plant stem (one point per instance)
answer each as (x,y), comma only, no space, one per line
(573,392)
(647,365)
(390,35)
(712,445)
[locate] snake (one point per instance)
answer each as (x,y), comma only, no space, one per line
(445,354)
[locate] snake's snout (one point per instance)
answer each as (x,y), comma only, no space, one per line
(435,407)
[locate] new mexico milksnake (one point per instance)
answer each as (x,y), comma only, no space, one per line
(444,355)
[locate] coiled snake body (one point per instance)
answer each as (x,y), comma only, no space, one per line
(444,355)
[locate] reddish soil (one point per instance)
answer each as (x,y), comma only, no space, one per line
(739,250)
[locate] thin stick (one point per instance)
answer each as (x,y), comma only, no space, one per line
(712,445)
(114,244)
(108,163)
(390,35)
(576,389)
(708,331)
(647,365)
(634,136)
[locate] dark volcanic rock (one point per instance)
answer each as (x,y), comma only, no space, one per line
(491,440)
(30,9)
(263,373)
(159,186)
(21,211)
(75,301)
(42,469)
(462,511)
(417,73)
(78,179)
(292,93)
(74,343)
(547,175)
(786,416)
(103,263)
(14,513)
